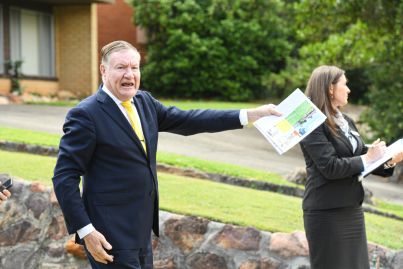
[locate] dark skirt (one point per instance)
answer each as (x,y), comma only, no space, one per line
(336,238)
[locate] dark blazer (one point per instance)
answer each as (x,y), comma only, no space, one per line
(333,169)
(120,186)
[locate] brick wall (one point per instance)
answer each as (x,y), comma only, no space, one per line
(115,22)
(76,66)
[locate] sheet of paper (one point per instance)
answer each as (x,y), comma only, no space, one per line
(390,151)
(300,117)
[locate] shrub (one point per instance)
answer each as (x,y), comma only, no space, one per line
(218,49)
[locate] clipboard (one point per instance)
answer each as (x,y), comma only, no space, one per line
(390,151)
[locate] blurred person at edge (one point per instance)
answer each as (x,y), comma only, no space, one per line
(335,155)
(4,195)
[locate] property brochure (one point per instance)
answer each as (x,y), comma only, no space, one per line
(390,151)
(300,117)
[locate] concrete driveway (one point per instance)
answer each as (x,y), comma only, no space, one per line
(245,147)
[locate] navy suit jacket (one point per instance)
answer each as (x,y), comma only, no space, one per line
(333,169)
(120,186)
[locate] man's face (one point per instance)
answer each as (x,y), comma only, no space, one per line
(121,75)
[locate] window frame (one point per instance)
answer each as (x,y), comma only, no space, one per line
(16,54)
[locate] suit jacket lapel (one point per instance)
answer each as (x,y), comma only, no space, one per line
(110,107)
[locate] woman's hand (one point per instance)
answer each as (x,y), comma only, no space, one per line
(397,158)
(375,151)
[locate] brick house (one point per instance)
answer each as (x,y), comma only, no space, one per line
(59,42)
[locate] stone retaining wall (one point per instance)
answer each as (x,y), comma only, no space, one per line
(33,235)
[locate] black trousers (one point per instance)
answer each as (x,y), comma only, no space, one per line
(141,258)
(336,238)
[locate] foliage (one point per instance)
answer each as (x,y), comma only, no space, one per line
(384,115)
(364,37)
(14,69)
(217,49)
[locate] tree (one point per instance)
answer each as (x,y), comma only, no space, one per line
(219,49)
(364,37)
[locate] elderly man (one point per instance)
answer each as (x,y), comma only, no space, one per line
(110,139)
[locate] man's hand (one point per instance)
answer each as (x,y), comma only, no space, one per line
(96,245)
(266,110)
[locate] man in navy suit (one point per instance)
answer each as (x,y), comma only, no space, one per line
(110,139)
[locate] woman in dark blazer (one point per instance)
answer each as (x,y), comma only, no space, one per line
(335,155)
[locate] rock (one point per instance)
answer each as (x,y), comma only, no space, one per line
(55,250)
(261,264)
(298,176)
(22,257)
(167,263)
(377,254)
(4,100)
(15,99)
(206,260)
(397,174)
(53,198)
(37,203)
(37,187)
(397,261)
(57,228)
(19,233)
(241,238)
(186,232)
(65,95)
(75,249)
(289,245)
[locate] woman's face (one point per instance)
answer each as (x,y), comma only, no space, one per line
(339,92)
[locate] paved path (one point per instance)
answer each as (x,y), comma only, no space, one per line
(244,147)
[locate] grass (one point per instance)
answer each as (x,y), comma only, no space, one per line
(54,103)
(191,104)
(183,104)
(230,204)
(220,202)
(27,166)
(46,139)
(222,168)
(388,207)
(29,137)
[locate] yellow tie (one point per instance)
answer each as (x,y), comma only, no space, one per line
(135,122)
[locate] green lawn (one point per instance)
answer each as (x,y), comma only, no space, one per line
(222,168)
(182,104)
(46,139)
(29,137)
(261,209)
(27,166)
(388,207)
(191,104)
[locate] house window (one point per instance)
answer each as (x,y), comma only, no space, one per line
(31,41)
(1,42)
